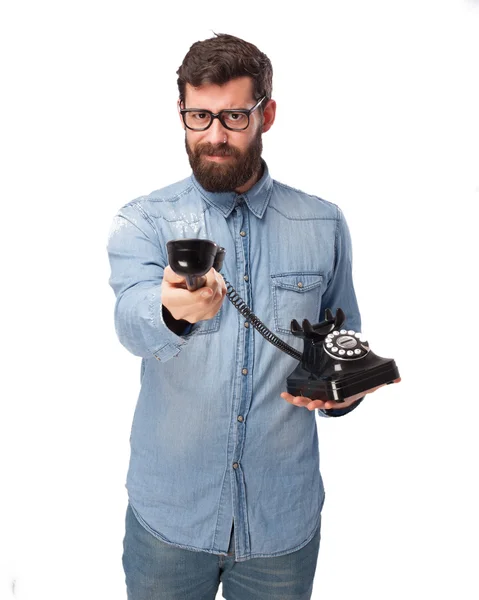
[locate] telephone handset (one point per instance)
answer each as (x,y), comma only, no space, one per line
(335,363)
(192,258)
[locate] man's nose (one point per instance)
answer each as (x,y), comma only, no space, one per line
(216,133)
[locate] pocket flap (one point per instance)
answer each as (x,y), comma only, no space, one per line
(297,282)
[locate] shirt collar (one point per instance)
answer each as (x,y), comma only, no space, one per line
(256,198)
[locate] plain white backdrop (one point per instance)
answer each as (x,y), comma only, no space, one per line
(377,112)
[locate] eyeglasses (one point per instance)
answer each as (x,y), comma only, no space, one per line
(199,119)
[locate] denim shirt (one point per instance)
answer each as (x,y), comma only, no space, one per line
(212,441)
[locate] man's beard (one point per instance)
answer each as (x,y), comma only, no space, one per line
(229,175)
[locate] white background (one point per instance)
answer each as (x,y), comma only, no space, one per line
(377,112)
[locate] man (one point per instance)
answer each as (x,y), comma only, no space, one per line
(224,481)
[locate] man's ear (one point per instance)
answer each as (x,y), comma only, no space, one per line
(269,115)
(178,106)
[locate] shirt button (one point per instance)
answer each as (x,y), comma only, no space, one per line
(245,371)
(242,233)
(300,285)
(246,277)
(246,324)
(240,419)
(235,465)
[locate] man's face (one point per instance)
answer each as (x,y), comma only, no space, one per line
(220,166)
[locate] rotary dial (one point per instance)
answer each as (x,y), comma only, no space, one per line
(346,345)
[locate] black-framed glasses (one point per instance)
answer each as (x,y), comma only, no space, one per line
(235,119)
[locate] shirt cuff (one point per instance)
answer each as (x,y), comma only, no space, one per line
(339,412)
(173,342)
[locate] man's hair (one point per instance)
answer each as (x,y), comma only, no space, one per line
(219,59)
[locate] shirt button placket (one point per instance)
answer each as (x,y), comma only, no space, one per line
(240,419)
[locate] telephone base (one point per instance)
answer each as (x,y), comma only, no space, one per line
(337,386)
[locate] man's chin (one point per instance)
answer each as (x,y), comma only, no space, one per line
(217,168)
(216,181)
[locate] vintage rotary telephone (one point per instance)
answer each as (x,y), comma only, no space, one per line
(335,364)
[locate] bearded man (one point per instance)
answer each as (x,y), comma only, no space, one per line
(224,482)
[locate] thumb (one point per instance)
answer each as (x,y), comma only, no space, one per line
(171,277)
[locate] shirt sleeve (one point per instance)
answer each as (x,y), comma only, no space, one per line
(137,261)
(340,294)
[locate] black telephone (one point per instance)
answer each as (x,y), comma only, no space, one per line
(335,364)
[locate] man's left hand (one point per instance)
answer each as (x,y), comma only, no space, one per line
(322,404)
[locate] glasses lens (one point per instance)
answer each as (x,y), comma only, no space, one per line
(197,119)
(235,120)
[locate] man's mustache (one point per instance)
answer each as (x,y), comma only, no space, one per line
(217,150)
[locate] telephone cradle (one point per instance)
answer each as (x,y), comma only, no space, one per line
(335,363)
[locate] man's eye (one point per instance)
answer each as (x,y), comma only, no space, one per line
(236,118)
(199,116)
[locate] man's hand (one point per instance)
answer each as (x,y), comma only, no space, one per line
(312,404)
(204,303)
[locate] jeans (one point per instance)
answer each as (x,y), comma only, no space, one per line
(155,570)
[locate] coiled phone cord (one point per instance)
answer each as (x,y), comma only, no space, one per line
(243,308)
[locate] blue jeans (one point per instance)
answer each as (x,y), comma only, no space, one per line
(155,570)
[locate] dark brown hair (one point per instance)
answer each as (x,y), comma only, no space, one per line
(222,58)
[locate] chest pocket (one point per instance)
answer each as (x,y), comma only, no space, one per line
(296,296)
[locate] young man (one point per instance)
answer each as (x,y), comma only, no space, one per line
(224,481)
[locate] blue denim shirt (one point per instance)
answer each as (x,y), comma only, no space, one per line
(212,441)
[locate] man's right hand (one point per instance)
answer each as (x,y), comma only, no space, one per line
(204,303)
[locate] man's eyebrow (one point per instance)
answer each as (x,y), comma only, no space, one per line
(225,107)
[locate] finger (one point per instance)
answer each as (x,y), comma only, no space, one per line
(214,280)
(171,277)
(222,283)
(295,399)
(332,404)
(210,277)
(321,404)
(205,291)
(202,293)
(301,400)
(203,296)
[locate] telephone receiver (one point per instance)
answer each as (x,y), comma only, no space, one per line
(335,363)
(193,258)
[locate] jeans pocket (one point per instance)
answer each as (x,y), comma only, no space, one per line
(296,296)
